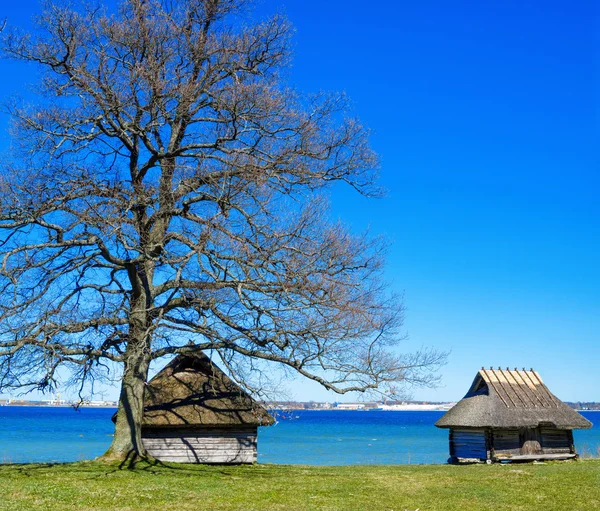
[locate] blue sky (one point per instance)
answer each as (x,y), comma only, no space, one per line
(485,115)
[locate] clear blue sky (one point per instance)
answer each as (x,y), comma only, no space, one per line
(485,115)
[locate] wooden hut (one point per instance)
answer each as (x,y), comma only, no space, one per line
(194,413)
(510,415)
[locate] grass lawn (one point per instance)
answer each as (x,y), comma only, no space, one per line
(91,485)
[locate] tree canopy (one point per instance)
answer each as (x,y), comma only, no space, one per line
(166,194)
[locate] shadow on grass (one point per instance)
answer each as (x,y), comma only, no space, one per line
(152,465)
(99,469)
(142,465)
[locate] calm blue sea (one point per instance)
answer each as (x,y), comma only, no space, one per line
(34,434)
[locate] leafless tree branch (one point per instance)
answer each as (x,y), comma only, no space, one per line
(168,199)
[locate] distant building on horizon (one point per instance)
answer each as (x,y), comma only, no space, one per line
(510,415)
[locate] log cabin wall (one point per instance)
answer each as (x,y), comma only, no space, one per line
(531,442)
(227,445)
(508,443)
(557,441)
(468,444)
(505,442)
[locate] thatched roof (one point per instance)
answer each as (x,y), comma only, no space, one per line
(191,391)
(511,399)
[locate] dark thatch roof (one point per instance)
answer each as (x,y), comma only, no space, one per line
(511,399)
(191,391)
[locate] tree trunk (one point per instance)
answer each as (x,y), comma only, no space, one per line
(127,441)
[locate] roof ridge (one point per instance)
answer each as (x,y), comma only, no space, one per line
(501,376)
(519,388)
(514,386)
(525,389)
(516,399)
(541,398)
(489,380)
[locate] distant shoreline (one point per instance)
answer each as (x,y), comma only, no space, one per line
(29,405)
(278,409)
(405,408)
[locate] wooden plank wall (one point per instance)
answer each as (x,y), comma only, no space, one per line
(208,446)
(556,441)
(510,442)
(468,443)
(506,442)
(531,441)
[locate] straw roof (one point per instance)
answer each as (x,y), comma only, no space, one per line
(501,398)
(191,391)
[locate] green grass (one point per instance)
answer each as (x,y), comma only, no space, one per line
(96,486)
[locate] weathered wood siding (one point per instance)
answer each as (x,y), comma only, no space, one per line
(506,442)
(468,443)
(556,441)
(530,441)
(535,443)
(201,446)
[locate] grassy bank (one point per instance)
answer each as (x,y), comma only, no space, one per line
(94,486)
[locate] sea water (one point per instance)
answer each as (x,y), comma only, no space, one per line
(58,434)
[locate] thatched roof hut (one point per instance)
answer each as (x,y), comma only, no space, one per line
(511,414)
(195,413)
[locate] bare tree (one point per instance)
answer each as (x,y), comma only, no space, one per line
(164,197)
